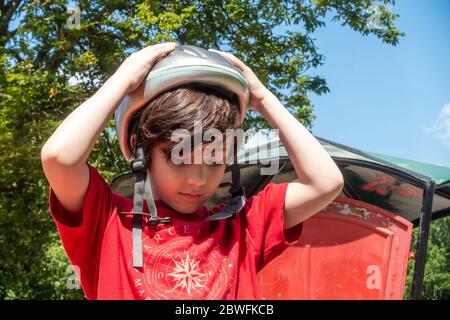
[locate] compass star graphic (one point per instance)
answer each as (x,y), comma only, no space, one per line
(187,274)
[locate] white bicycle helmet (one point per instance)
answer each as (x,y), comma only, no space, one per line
(186,64)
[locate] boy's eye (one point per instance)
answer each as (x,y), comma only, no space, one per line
(176,159)
(214,163)
(217,165)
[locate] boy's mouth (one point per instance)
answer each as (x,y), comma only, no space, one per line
(189,195)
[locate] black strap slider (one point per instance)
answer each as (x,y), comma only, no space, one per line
(154,221)
(240,191)
(138,165)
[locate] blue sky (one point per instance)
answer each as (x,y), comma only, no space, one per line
(386,99)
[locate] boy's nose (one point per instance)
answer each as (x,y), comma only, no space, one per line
(197,175)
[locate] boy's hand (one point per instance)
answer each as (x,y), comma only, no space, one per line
(136,67)
(257,90)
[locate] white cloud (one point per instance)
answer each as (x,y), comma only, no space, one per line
(441,126)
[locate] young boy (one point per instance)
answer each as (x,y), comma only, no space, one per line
(190,258)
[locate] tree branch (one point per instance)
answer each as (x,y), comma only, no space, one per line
(7,11)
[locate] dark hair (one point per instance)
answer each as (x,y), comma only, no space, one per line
(180,108)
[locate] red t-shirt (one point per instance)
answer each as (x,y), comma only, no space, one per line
(188,259)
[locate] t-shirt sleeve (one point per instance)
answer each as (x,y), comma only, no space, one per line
(265,223)
(82,238)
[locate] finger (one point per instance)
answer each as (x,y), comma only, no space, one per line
(165,45)
(238,63)
(154,53)
(161,47)
(163,50)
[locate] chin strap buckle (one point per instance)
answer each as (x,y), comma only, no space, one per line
(138,165)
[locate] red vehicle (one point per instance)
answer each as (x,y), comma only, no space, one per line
(357,247)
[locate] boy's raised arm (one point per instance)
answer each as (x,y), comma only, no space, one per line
(74,139)
(319,178)
(65,153)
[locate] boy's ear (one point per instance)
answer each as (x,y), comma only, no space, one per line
(133,142)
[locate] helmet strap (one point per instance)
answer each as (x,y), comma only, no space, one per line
(237,192)
(139,167)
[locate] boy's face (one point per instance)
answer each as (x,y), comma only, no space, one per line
(171,182)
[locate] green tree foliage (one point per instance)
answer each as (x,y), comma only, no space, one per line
(437,268)
(50,65)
